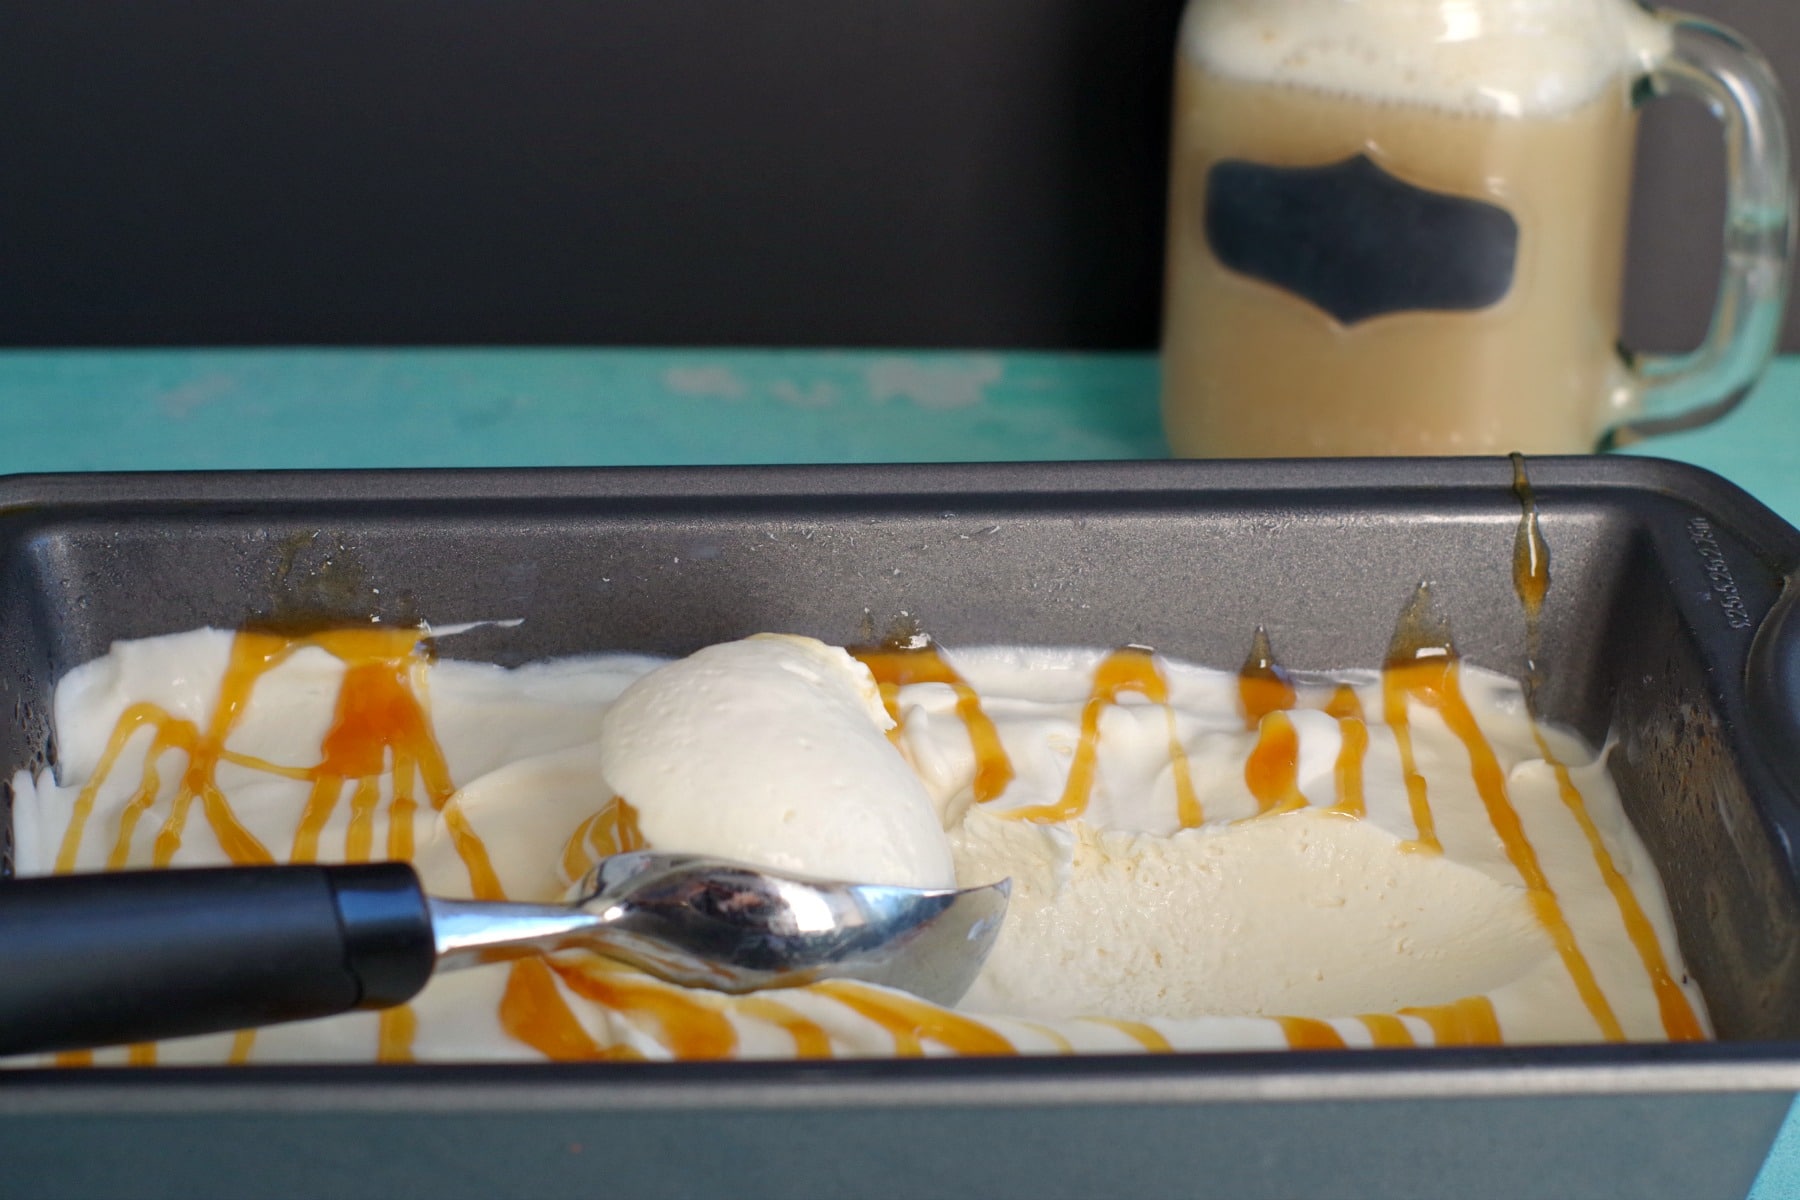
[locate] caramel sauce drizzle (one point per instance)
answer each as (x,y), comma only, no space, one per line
(1353,730)
(170,732)
(534,1012)
(1466,1022)
(1306,1033)
(1678,1018)
(1129,669)
(612,830)
(394,1034)
(1421,642)
(1531,582)
(810,1039)
(1398,682)
(1434,682)
(379,723)
(691,1025)
(381,728)
(1263,687)
(1272,770)
(1423,666)
(912,1022)
(382,710)
(895,668)
(1144,1035)
(251,656)
(1387,1030)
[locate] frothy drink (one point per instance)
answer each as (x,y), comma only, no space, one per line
(1389,239)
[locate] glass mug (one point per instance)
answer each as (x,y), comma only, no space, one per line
(1398,226)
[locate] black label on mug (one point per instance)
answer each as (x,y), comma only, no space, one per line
(1357,242)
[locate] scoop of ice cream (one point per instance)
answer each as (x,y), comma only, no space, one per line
(773,751)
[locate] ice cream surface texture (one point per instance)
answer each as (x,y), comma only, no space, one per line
(773,750)
(1201,859)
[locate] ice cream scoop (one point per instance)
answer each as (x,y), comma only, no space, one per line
(105,958)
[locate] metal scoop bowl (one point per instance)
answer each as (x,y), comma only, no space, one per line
(108,958)
(712,923)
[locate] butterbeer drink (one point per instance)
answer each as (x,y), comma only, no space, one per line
(1398,226)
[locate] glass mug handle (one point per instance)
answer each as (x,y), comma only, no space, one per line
(1711,64)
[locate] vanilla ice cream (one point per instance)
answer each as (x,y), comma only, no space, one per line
(1200,859)
(773,751)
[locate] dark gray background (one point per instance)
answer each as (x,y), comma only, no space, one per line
(1681,187)
(810,172)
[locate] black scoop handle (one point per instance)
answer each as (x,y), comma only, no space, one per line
(102,959)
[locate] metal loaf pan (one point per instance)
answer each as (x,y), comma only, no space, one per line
(1666,622)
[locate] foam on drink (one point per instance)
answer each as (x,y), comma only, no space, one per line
(1512,58)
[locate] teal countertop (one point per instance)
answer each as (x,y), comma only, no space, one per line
(196,409)
(210,409)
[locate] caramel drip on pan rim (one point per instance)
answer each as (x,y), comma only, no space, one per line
(1263,687)
(1530,572)
(1531,582)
